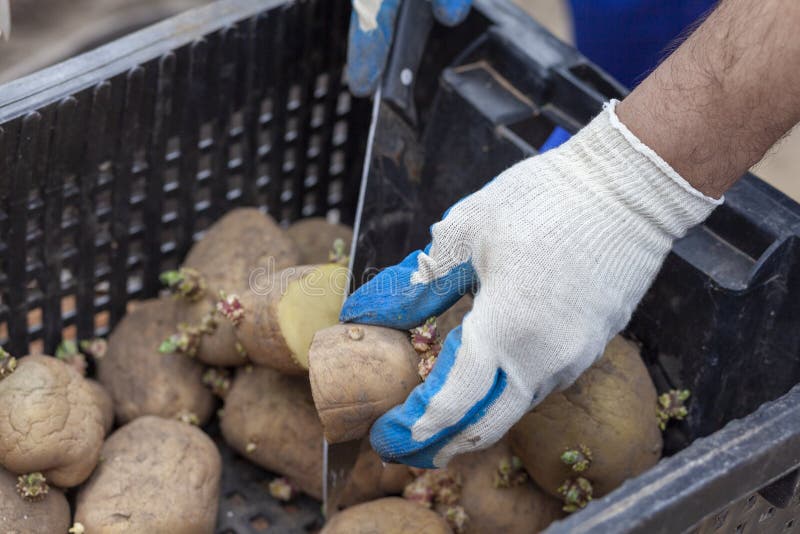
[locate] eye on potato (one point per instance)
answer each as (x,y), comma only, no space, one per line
(157,475)
(519,508)
(46,515)
(50,421)
(359,372)
(240,248)
(276,323)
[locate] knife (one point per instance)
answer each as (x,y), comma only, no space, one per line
(414,22)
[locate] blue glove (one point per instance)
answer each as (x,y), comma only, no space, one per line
(371,34)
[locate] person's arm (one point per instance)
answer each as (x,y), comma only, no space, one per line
(725,96)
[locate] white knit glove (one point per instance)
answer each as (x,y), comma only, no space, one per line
(563,246)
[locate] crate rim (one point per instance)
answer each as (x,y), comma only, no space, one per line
(70,76)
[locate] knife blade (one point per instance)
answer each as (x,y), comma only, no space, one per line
(414,23)
(339,458)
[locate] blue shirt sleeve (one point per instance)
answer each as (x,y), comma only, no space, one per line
(628,38)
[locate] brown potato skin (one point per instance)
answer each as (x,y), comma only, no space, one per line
(519,510)
(454,315)
(390,515)
(49,421)
(218,348)
(242,243)
(243,240)
(18,516)
(371,479)
(314,238)
(276,413)
(610,409)
(259,331)
(157,475)
(355,381)
(140,379)
(105,402)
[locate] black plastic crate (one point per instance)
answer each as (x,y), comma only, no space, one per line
(113,163)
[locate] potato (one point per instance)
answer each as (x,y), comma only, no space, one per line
(50,421)
(359,372)
(17,516)
(269,418)
(610,410)
(453,316)
(242,241)
(243,246)
(371,478)
(157,475)
(141,380)
(314,238)
(105,402)
(390,515)
(522,508)
(219,346)
(276,324)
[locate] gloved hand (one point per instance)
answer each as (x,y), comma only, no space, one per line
(371,33)
(562,247)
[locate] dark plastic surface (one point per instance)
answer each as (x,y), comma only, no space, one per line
(112,163)
(246,506)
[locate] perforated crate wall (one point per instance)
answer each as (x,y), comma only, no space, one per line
(104,187)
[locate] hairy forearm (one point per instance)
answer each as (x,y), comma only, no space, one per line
(725,96)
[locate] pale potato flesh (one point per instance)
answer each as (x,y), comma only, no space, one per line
(309,304)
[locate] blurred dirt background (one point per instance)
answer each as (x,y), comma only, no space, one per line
(47,31)
(44,32)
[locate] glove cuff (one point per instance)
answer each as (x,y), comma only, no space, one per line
(625,171)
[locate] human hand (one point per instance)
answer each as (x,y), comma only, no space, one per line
(371,33)
(562,246)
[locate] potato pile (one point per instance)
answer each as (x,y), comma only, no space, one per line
(250,334)
(577,444)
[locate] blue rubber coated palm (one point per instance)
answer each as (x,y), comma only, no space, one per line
(391,299)
(368,49)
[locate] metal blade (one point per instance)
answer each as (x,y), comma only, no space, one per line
(338,464)
(339,458)
(5,19)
